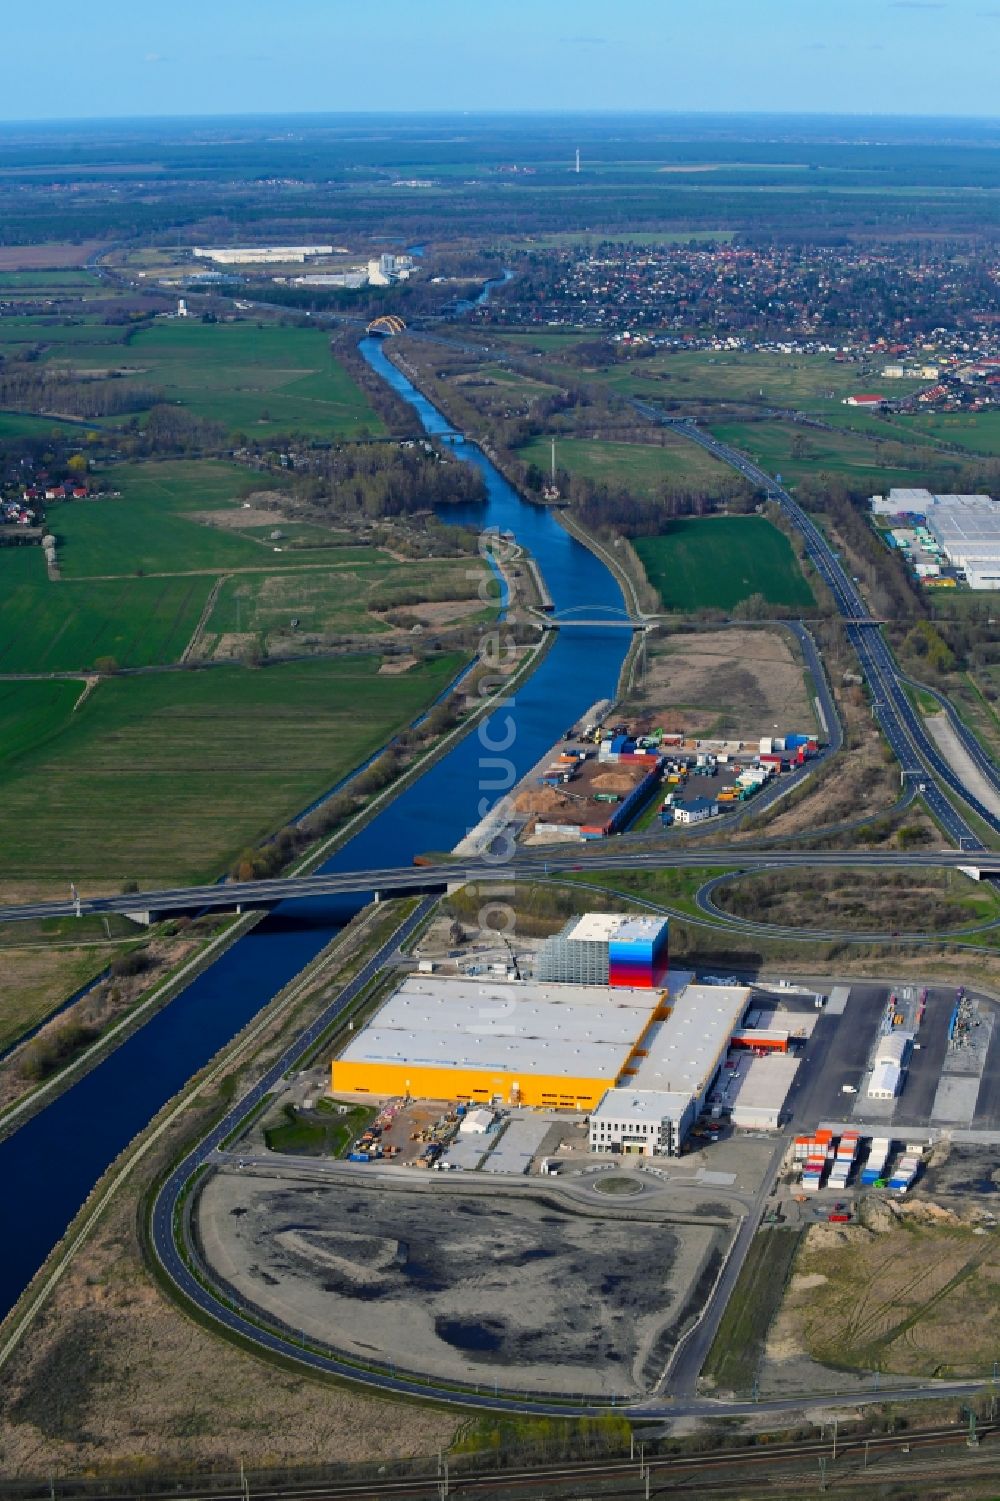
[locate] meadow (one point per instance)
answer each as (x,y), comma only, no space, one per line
(17,425)
(641,468)
(808,382)
(798,453)
(338,600)
(166,777)
(254,379)
(715,562)
(156,525)
(67,626)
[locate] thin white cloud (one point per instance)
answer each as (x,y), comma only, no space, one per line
(154,57)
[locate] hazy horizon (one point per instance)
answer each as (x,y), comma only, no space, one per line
(887,58)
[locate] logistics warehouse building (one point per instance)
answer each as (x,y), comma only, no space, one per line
(514,1043)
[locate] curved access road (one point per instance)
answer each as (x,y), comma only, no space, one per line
(704,901)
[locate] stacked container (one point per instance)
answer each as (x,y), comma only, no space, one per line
(902,1178)
(874,1168)
(843,1163)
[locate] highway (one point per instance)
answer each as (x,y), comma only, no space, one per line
(600,855)
(917,754)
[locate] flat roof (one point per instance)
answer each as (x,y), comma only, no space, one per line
(515,1027)
(909,499)
(595,927)
(765,1084)
(641,1105)
(640,929)
(683,1052)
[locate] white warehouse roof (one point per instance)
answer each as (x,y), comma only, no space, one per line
(884,1082)
(684,1051)
(763,1089)
(892,1048)
(584,1031)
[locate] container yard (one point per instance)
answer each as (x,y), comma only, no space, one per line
(602,775)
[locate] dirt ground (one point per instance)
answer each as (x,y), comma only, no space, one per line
(860,781)
(895,1292)
(940,729)
(115,1377)
(384,1272)
(46,257)
(741,682)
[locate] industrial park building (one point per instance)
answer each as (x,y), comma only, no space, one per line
(485,1042)
(607,948)
(964,530)
(260,255)
(663,1089)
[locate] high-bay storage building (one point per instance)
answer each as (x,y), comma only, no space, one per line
(607,948)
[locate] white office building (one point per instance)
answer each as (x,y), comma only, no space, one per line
(652,1111)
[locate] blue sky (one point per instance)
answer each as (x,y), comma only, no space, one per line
(119,57)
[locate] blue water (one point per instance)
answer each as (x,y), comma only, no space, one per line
(50,1165)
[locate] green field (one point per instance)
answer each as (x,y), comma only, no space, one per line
(807,382)
(167,777)
(641,468)
(80,333)
(974,432)
(155,526)
(326,1131)
(798,453)
(66,626)
(714,562)
(739,1344)
(16,425)
(256,380)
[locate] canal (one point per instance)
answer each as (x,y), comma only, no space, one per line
(49,1166)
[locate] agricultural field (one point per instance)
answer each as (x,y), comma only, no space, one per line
(641,467)
(973,432)
(798,453)
(166,777)
(258,380)
(85,335)
(17,425)
(164,522)
(715,562)
(69,625)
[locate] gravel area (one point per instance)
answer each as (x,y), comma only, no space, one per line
(940,729)
(506,1287)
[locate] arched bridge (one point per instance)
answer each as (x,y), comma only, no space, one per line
(387,325)
(603,615)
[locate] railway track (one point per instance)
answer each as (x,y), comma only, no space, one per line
(878,1459)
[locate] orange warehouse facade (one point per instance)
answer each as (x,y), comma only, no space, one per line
(543,1091)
